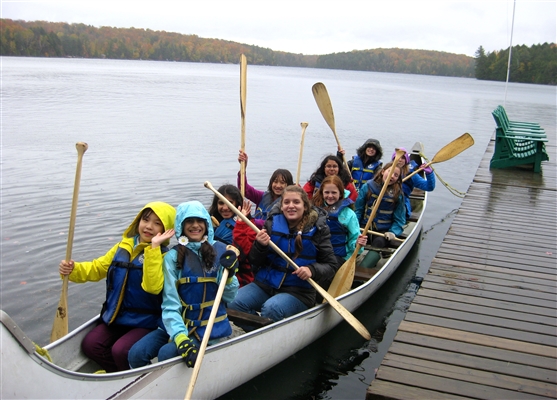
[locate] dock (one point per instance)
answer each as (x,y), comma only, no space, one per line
(483,324)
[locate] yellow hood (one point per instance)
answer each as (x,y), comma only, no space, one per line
(164,211)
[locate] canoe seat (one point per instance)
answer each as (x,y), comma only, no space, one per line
(241,319)
(517,143)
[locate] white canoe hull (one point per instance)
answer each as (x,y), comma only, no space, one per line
(27,375)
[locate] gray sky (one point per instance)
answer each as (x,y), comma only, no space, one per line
(318,27)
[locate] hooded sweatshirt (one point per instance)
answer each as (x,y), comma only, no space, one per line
(153,277)
(171,303)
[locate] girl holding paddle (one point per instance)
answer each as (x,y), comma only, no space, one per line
(192,272)
(341,219)
(264,201)
(415,181)
(331,165)
(391,214)
(301,232)
(133,269)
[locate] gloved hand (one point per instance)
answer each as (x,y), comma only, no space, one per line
(427,169)
(390,236)
(229,260)
(186,348)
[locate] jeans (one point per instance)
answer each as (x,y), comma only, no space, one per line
(147,348)
(252,298)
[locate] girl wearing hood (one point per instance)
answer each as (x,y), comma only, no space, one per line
(407,167)
(331,165)
(365,163)
(134,280)
(192,271)
(300,231)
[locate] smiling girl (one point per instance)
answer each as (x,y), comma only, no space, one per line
(133,270)
(264,201)
(301,232)
(226,219)
(391,214)
(331,165)
(341,219)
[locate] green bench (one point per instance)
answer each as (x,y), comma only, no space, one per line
(517,143)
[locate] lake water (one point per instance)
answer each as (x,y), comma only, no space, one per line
(158,130)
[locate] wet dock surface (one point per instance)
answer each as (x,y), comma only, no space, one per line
(483,324)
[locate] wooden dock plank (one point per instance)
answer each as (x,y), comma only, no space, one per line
(486,311)
(509,377)
(487,353)
(451,386)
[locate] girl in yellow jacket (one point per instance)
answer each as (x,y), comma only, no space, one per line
(134,281)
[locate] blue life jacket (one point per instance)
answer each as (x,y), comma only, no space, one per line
(384,216)
(197,289)
(126,302)
(264,206)
(223,232)
(362,173)
(339,233)
(277,273)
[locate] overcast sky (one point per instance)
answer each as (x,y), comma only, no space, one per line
(318,27)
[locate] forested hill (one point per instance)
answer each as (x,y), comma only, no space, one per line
(57,39)
(53,39)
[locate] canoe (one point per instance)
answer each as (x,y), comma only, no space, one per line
(69,374)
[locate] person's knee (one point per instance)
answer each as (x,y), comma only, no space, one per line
(167,351)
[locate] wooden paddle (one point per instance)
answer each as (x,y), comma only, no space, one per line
(342,282)
(348,317)
(324,104)
(450,150)
(60,325)
(304,125)
(208,329)
(243,89)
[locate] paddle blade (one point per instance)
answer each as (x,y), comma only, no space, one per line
(342,283)
(454,148)
(324,104)
(60,324)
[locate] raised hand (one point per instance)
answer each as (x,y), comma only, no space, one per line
(160,238)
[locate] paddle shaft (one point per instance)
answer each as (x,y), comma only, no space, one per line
(243,90)
(331,300)
(447,152)
(344,277)
(325,106)
(380,234)
(207,334)
(60,325)
(304,125)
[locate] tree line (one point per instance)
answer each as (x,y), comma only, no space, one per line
(535,64)
(58,39)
